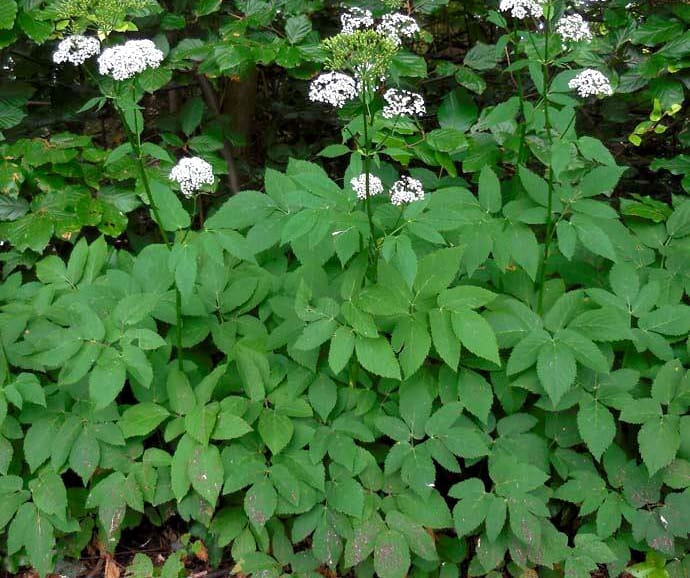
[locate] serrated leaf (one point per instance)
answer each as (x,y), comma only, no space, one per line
(323,395)
(205,470)
(659,441)
(142,419)
(346,495)
(476,334)
(275,430)
(260,503)
(445,341)
(556,368)
(391,555)
(341,349)
(596,426)
(376,355)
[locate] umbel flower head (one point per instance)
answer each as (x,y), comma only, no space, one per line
(406,190)
(191,174)
(591,82)
(573,28)
(355,19)
(359,186)
(129,59)
(334,88)
(402,103)
(522,8)
(397,27)
(76,49)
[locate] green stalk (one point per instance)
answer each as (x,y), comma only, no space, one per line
(550,225)
(367,165)
(135,141)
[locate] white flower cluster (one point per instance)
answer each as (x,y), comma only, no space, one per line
(522,8)
(76,49)
(334,88)
(131,58)
(573,28)
(402,103)
(191,174)
(397,27)
(359,186)
(406,190)
(591,82)
(356,18)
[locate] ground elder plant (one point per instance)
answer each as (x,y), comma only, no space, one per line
(449,355)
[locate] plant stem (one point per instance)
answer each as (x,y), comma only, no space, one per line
(135,141)
(550,225)
(367,164)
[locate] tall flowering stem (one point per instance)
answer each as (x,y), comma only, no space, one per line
(366,117)
(550,223)
(135,141)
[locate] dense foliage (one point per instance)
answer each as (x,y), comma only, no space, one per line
(427,315)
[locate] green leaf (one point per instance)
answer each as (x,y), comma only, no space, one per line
(191,114)
(8,12)
(275,430)
(445,341)
(481,57)
(476,334)
(668,382)
(33,530)
(85,455)
(469,513)
(316,333)
(346,495)
(391,555)
(260,503)
(526,352)
(490,190)
(584,350)
(495,517)
(475,394)
(107,378)
(513,478)
(323,395)
(535,186)
(457,111)
(437,270)
(659,440)
(667,320)
(556,368)
(593,237)
(465,297)
(200,421)
(376,356)
(596,426)
(142,419)
(341,349)
(49,493)
(465,442)
(297,28)
(230,426)
(605,324)
(172,213)
(205,471)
